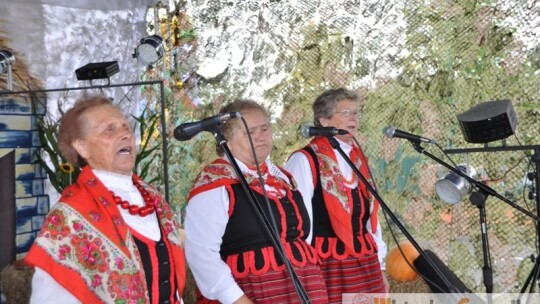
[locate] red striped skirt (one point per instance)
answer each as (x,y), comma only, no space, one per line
(352,275)
(276,286)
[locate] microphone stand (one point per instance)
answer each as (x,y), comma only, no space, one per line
(267,225)
(335,145)
(478,199)
(535,272)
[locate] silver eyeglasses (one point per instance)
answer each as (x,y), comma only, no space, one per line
(348,113)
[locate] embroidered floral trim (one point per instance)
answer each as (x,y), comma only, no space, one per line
(220,173)
(79,246)
(332,180)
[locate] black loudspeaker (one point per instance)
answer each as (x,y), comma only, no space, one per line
(7,209)
(432,277)
(97,70)
(488,121)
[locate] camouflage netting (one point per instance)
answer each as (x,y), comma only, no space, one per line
(417,64)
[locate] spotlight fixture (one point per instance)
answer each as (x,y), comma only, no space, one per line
(488,121)
(6,60)
(150,50)
(6,63)
(452,187)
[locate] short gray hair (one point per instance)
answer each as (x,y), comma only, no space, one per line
(325,104)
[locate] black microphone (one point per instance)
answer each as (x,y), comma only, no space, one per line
(187,130)
(391,132)
(308,131)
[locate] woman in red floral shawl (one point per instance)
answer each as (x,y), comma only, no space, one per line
(229,253)
(111,238)
(346,232)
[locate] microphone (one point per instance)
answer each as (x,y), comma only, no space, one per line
(187,130)
(308,131)
(391,132)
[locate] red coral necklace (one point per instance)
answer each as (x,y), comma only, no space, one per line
(149,204)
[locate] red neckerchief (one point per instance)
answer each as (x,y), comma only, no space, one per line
(220,173)
(336,195)
(277,187)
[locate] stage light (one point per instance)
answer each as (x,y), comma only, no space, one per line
(150,50)
(6,64)
(452,187)
(6,60)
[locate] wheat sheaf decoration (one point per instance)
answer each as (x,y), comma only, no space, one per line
(22,79)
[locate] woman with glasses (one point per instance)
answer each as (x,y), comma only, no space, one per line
(227,248)
(345,230)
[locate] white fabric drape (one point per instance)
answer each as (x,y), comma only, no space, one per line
(55,37)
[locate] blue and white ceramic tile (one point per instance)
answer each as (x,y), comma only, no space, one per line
(39,172)
(26,206)
(38,187)
(33,153)
(40,106)
(9,105)
(23,188)
(43,204)
(37,222)
(24,241)
(23,156)
(24,224)
(25,172)
(35,139)
(18,132)
(34,123)
(15,122)
(15,139)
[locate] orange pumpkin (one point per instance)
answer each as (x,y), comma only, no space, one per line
(396,265)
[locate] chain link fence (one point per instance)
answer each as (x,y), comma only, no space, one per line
(416,64)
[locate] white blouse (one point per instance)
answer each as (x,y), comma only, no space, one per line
(204,226)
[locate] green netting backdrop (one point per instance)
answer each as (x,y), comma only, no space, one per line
(416,64)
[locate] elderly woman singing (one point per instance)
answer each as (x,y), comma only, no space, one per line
(229,253)
(111,238)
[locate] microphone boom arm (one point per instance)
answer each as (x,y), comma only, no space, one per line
(481,186)
(478,199)
(386,209)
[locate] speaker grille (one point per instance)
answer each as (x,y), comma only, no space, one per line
(488,121)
